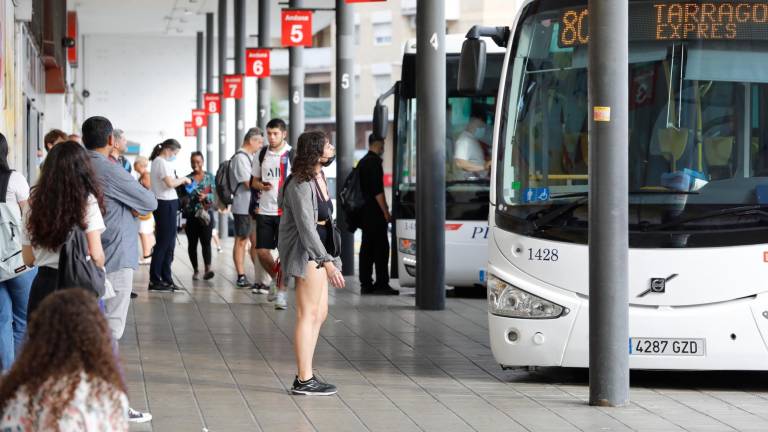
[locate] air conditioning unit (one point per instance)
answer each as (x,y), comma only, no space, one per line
(23,10)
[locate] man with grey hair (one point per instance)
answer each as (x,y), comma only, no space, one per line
(241,165)
(118,151)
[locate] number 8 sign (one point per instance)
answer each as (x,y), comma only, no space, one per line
(296,28)
(257,63)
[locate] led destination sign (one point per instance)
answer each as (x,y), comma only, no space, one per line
(663,21)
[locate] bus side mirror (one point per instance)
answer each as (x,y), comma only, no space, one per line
(471,67)
(380,120)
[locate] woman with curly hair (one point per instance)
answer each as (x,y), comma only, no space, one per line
(304,242)
(66,378)
(66,196)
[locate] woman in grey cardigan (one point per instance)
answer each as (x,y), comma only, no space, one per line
(304,241)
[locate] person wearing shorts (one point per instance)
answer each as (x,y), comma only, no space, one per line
(270,171)
(241,167)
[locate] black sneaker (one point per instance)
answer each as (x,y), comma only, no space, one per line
(384,290)
(134,295)
(242,282)
(160,286)
(208,275)
(312,387)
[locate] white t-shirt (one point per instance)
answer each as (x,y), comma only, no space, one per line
(18,188)
(241,173)
(49,258)
(274,170)
(85,412)
(468,148)
(161,169)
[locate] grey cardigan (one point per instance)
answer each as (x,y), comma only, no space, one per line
(298,240)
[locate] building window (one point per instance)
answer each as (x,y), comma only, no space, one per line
(382,33)
(382,83)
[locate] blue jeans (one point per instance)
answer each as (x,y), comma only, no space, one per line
(14,295)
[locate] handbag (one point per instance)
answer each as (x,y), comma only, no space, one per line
(203,216)
(76,268)
(336,234)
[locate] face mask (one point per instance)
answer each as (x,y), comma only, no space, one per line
(172,158)
(329,161)
(480,133)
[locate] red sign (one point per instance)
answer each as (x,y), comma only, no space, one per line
(199,118)
(257,63)
(233,87)
(189,129)
(72,33)
(363,1)
(212,103)
(297,28)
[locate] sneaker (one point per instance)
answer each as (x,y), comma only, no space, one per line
(145,261)
(384,290)
(196,276)
(242,282)
(160,286)
(218,249)
(312,387)
(281,302)
(138,416)
(258,288)
(134,295)
(208,275)
(272,293)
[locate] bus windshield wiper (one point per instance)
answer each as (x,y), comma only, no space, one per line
(757,209)
(546,217)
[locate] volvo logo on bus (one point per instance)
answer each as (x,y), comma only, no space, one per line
(658,285)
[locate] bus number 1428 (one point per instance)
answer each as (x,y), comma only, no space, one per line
(543,255)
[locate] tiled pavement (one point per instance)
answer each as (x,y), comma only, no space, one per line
(220,359)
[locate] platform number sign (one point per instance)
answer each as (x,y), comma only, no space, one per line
(199,118)
(257,63)
(363,1)
(189,129)
(296,28)
(212,103)
(233,87)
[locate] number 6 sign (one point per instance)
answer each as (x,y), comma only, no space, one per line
(296,28)
(233,87)
(257,63)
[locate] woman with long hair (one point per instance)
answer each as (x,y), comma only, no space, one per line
(199,214)
(164,184)
(304,243)
(14,289)
(66,378)
(66,196)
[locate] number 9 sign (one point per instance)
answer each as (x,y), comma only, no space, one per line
(296,28)
(257,63)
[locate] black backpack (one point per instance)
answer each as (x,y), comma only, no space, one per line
(224,190)
(76,269)
(351,197)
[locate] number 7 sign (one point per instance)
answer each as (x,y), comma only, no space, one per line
(257,63)
(296,28)
(233,87)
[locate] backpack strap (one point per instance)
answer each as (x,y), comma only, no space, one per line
(4,179)
(263,154)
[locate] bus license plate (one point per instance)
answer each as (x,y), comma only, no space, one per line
(667,347)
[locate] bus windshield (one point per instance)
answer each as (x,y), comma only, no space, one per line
(698,114)
(468,145)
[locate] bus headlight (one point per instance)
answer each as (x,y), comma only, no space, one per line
(407,246)
(510,301)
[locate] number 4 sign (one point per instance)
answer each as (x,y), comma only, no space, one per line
(296,28)
(233,87)
(257,63)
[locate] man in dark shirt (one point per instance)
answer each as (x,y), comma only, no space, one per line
(374,218)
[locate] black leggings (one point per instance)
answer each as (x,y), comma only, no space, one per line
(197,231)
(45,283)
(165,233)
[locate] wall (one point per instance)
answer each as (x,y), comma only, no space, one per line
(144,84)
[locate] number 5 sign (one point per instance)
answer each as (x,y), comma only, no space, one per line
(257,63)
(233,87)
(297,28)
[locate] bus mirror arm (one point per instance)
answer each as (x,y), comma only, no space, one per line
(381,114)
(500,35)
